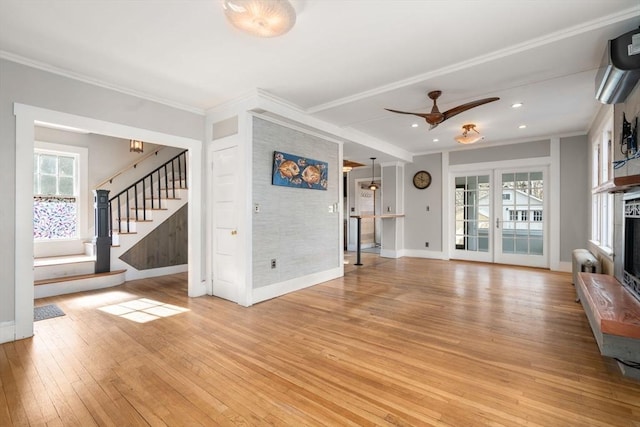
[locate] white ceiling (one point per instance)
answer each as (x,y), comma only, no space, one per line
(344,61)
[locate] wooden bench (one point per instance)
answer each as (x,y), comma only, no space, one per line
(613,313)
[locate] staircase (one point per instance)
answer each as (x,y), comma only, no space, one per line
(141,222)
(71,273)
(135,212)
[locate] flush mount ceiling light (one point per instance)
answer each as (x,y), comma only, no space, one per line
(467,137)
(261,18)
(135,146)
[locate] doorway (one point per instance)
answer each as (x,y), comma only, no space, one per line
(26,118)
(499,216)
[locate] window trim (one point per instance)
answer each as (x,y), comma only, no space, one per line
(602,215)
(82,185)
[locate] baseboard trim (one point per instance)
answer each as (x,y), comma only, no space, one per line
(565,266)
(278,289)
(133,274)
(388,253)
(7,331)
(419,253)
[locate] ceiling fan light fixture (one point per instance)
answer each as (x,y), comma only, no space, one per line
(467,137)
(260,18)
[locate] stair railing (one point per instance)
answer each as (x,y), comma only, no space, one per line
(173,174)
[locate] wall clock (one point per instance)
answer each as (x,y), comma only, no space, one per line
(422,179)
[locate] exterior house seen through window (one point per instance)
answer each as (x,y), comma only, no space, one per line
(55,196)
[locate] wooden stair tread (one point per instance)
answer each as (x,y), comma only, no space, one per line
(617,311)
(76,277)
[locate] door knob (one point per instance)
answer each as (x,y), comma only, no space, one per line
(234,232)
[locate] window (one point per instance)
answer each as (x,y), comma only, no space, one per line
(506,196)
(513,215)
(537,215)
(602,202)
(524,215)
(55,195)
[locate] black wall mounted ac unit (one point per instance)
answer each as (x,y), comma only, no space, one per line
(620,68)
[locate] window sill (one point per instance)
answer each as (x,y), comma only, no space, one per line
(604,251)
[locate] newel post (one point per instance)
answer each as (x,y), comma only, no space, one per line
(102,235)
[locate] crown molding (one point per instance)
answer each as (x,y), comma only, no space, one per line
(95,82)
(485,58)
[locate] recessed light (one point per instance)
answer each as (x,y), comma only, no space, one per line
(522,126)
(415,125)
(435,140)
(516,105)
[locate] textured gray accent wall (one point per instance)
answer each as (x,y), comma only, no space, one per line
(294,225)
(524,150)
(575,200)
(421,225)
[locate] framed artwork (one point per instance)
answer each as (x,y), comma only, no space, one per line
(290,170)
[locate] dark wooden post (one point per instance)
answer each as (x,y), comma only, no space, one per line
(102,235)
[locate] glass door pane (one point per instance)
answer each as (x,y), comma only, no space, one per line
(472,202)
(522,218)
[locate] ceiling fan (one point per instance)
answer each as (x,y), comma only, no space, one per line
(435,117)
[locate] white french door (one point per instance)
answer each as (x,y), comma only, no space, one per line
(521,219)
(472,210)
(499,216)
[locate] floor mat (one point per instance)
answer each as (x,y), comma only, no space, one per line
(46,312)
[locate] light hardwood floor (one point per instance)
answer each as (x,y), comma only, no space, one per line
(396,342)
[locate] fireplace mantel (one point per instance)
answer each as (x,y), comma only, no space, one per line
(618,184)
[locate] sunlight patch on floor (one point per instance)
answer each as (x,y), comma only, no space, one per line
(143,310)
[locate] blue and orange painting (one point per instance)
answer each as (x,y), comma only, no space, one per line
(290,170)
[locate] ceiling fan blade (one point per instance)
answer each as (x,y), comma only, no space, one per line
(423,115)
(464,107)
(432,118)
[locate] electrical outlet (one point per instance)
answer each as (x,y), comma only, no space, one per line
(256,208)
(273,263)
(426,244)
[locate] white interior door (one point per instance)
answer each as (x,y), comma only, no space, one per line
(225,274)
(499,216)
